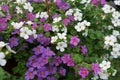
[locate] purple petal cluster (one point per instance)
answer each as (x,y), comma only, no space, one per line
(63,5)
(30,16)
(13,41)
(84,49)
(95,68)
(47,27)
(3,24)
(96,2)
(5,8)
(74,40)
(83,72)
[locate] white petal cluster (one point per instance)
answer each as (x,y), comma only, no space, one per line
(19,10)
(2,44)
(17,25)
(82,25)
(110,40)
(115,22)
(55,28)
(78,16)
(44,15)
(117,2)
(57,19)
(69,12)
(108,9)
(85,1)
(105,65)
(28,7)
(54,39)
(104,74)
(61,35)
(61,46)
(20,1)
(2,60)
(25,32)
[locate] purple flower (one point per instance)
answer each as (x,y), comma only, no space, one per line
(2,26)
(65,58)
(1,38)
(70,62)
(30,39)
(43,73)
(33,59)
(42,19)
(49,52)
(63,5)
(74,40)
(95,68)
(57,61)
(43,60)
(96,2)
(52,69)
(16,31)
(30,16)
(83,72)
(55,15)
(51,78)
(62,71)
(13,42)
(5,8)
(30,74)
(66,21)
(38,50)
(71,17)
(40,38)
(84,49)
(34,25)
(46,41)
(47,27)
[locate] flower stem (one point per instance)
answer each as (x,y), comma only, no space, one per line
(47,6)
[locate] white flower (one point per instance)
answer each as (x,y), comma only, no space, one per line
(25,32)
(34,33)
(19,10)
(85,33)
(20,1)
(95,77)
(108,9)
(116,15)
(117,2)
(57,19)
(61,46)
(29,22)
(115,54)
(17,25)
(86,23)
(110,27)
(105,65)
(116,33)
(80,26)
(115,71)
(85,1)
(2,44)
(2,60)
(64,29)
(116,47)
(116,22)
(37,15)
(54,39)
(78,16)
(28,7)
(69,12)
(9,49)
(104,74)
(55,28)
(44,15)
(110,40)
(61,35)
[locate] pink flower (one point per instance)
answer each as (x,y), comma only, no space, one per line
(74,40)
(83,72)
(95,68)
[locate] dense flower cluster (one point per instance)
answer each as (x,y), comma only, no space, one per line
(60,39)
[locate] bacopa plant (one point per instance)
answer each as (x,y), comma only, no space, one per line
(60,39)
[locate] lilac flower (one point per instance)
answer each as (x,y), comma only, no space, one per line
(40,38)
(83,72)
(47,27)
(62,71)
(30,74)
(64,5)
(55,15)
(5,8)
(13,42)
(96,2)
(65,58)
(71,17)
(2,26)
(95,68)
(57,61)
(58,2)
(34,25)
(30,16)
(42,19)
(70,62)
(51,78)
(38,50)
(49,52)
(33,59)
(43,73)
(74,40)
(66,21)
(31,39)
(46,41)
(84,49)
(16,31)
(43,60)
(52,69)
